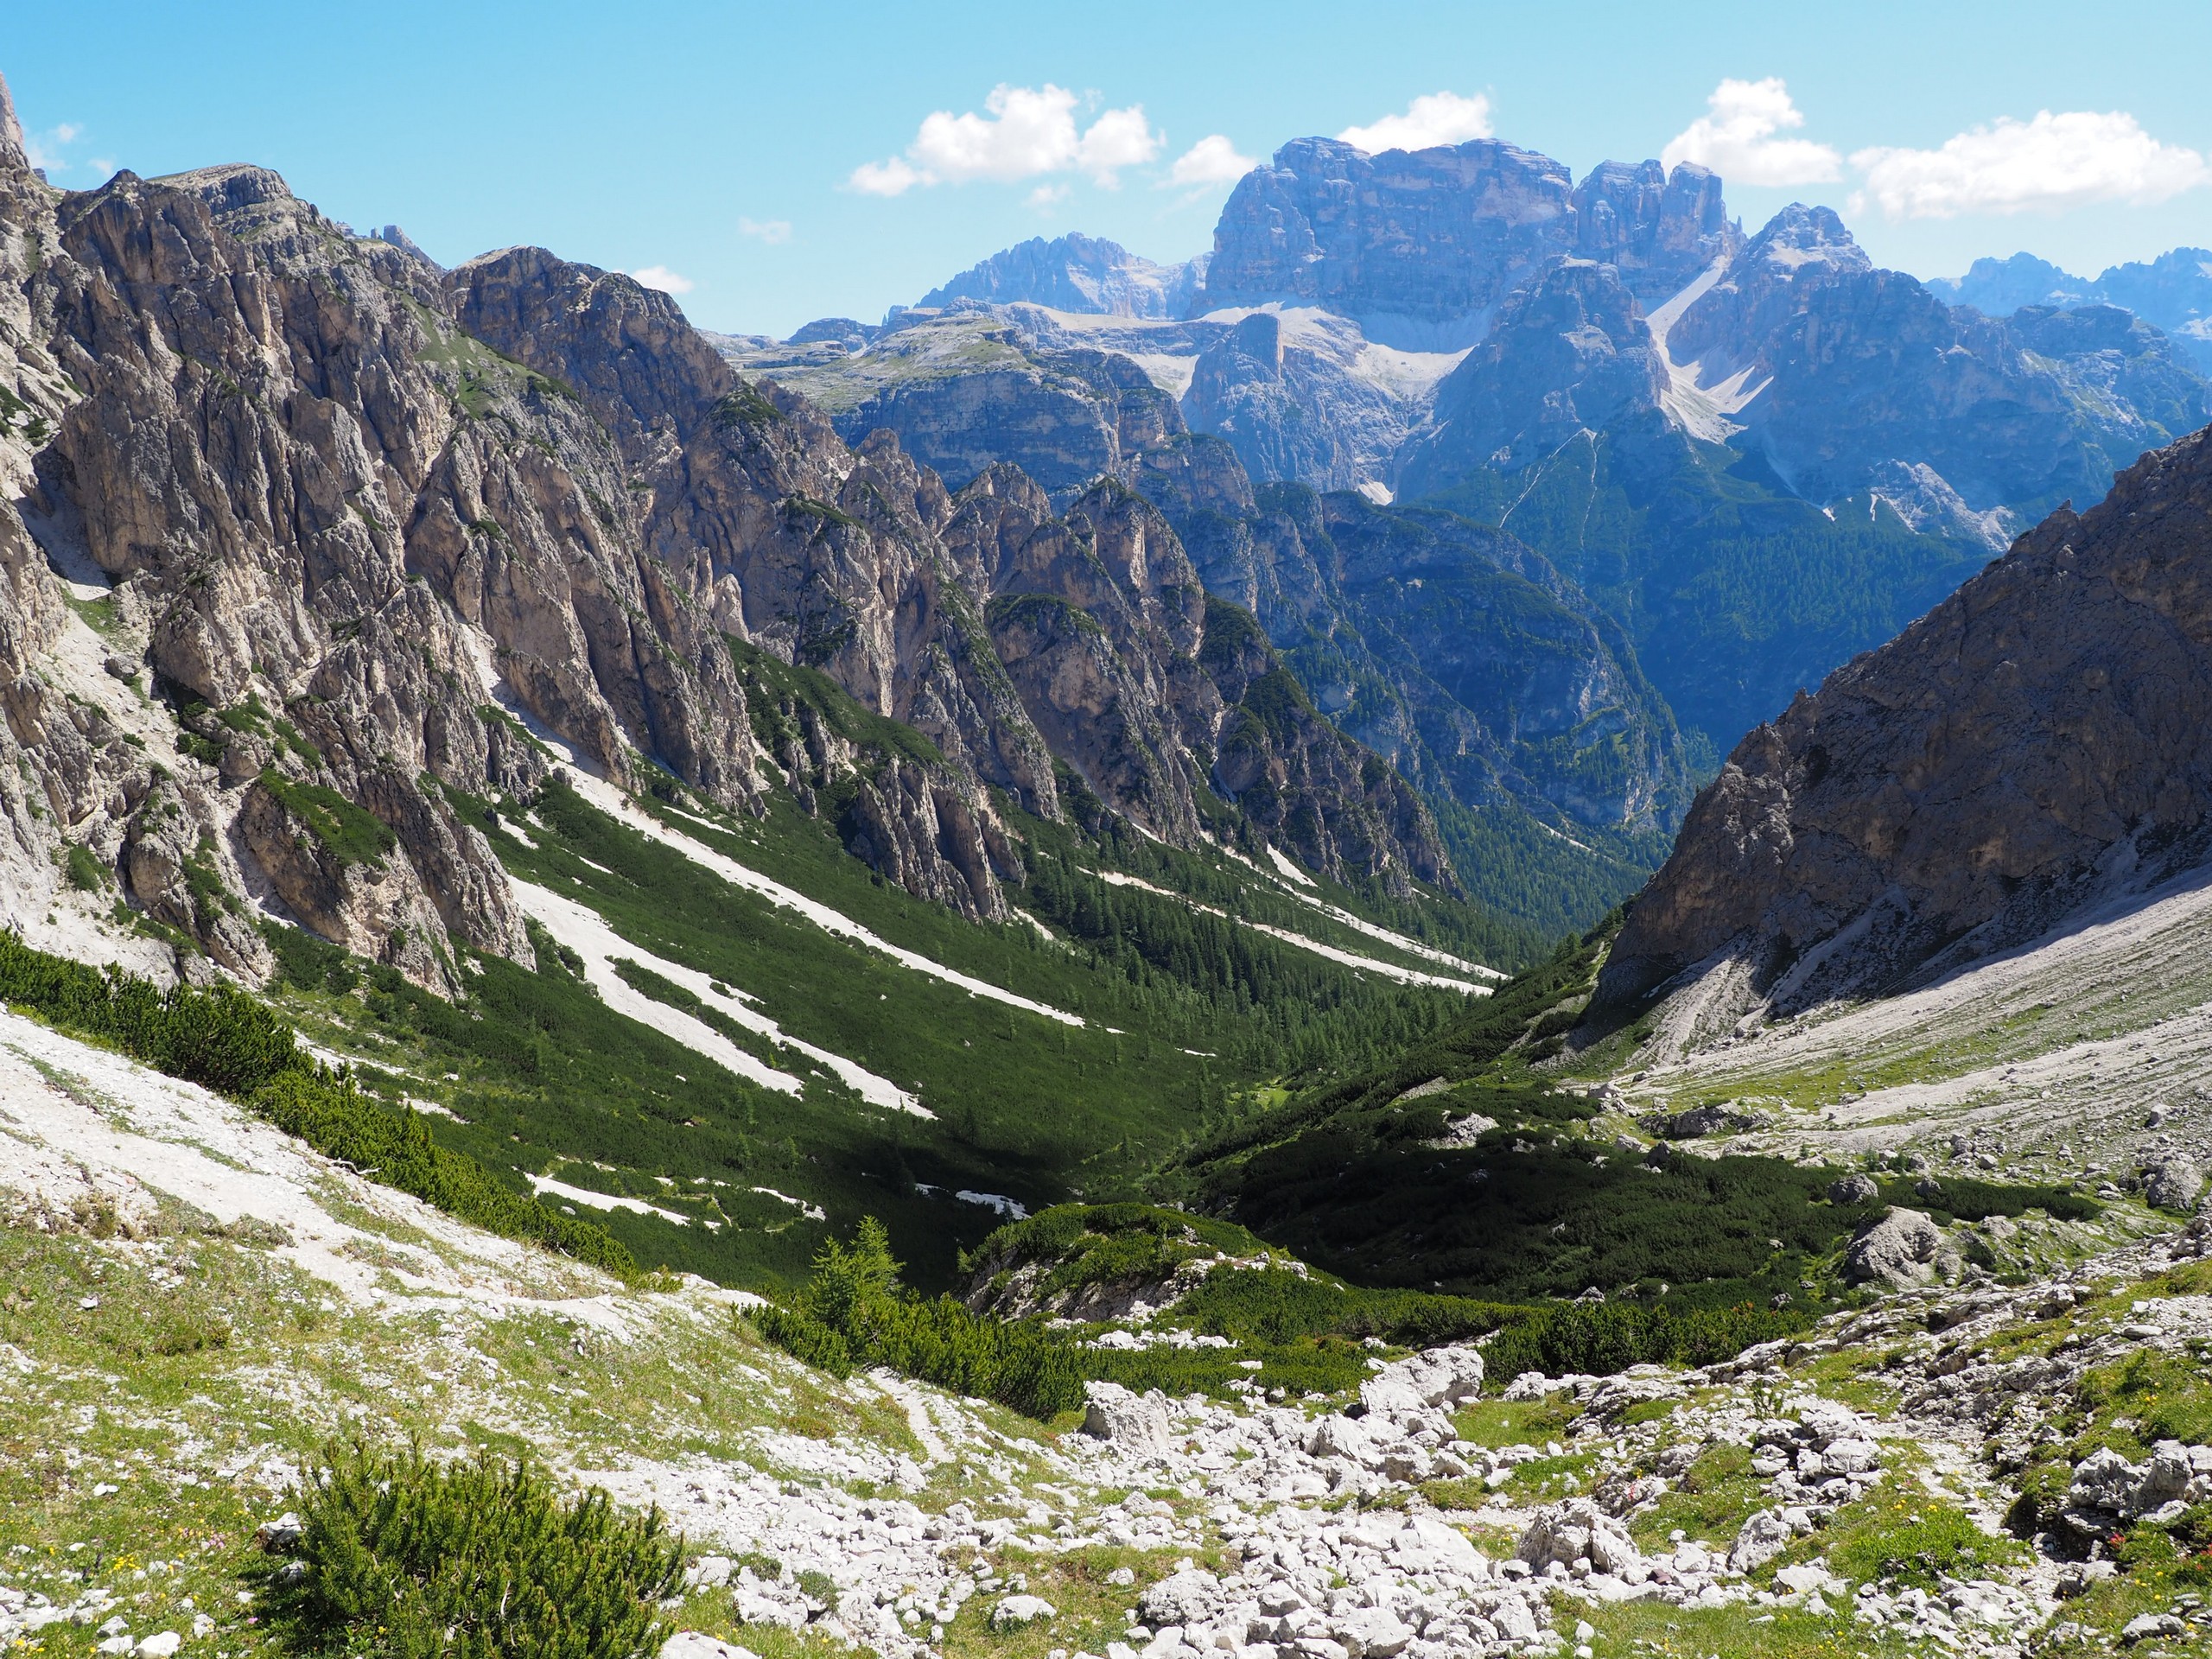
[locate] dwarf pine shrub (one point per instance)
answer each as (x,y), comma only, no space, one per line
(854,1312)
(483,1559)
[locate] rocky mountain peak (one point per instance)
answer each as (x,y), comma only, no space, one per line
(231,188)
(14,159)
(1418,246)
(1997,288)
(1659,230)
(1076,273)
(2035,742)
(1569,352)
(1799,236)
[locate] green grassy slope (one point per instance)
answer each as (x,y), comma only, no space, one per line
(1184,1013)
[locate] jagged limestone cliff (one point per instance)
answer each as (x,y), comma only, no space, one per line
(349,535)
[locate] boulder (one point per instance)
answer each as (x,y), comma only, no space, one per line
(1373,1633)
(278,1535)
(1853,1456)
(1700,1122)
(2173,1184)
(1343,1437)
(1900,1250)
(696,1645)
(2105,1480)
(1853,1189)
(2144,1626)
(1438,1377)
(1763,1537)
(1014,1611)
(1185,1598)
(1134,1425)
(1577,1530)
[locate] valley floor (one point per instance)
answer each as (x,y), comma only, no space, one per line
(193,1306)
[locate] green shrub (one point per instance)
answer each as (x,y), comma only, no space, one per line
(478,1561)
(394,1146)
(86,874)
(220,1037)
(346,832)
(854,1312)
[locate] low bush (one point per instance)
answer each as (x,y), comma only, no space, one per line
(854,1312)
(346,832)
(220,1037)
(477,1560)
(393,1145)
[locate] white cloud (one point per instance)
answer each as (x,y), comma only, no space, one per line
(891,178)
(771,231)
(1431,119)
(1027,131)
(1736,138)
(662,277)
(44,149)
(2051,162)
(1117,139)
(1047,196)
(1213,160)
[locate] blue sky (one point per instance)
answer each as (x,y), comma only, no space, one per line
(721,143)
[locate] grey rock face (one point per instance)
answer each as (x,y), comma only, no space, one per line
(1420,248)
(1900,1248)
(1799,248)
(1150,687)
(972,388)
(347,498)
(1570,352)
(1861,370)
(1853,1189)
(1658,230)
(1240,392)
(1302,396)
(1824,858)
(1077,273)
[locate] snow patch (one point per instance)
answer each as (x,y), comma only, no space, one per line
(542,1184)
(812,1211)
(586,932)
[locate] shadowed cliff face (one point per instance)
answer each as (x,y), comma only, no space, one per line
(355,522)
(1570,352)
(2037,740)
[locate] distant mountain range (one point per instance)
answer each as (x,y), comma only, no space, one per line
(2172,292)
(1747,457)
